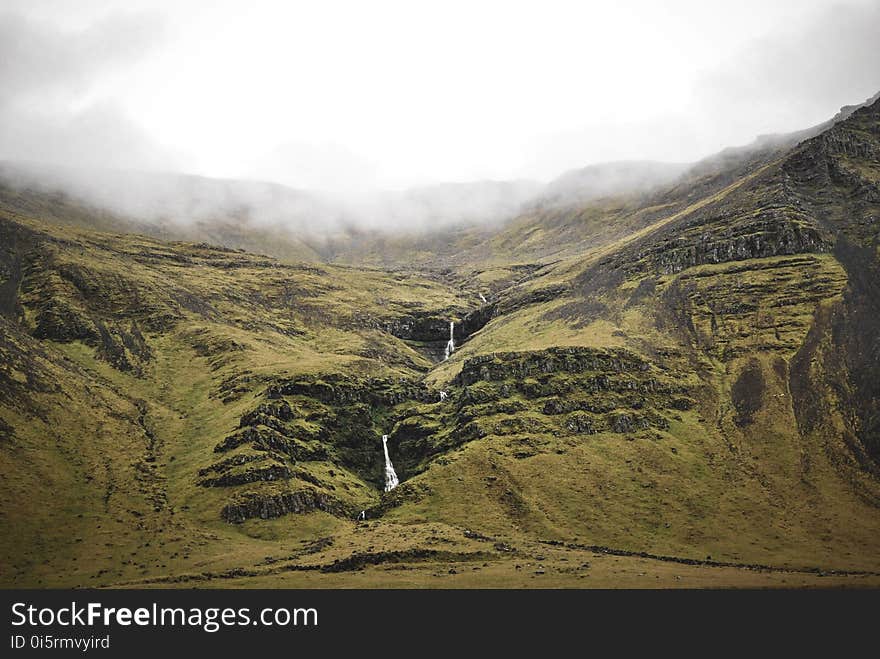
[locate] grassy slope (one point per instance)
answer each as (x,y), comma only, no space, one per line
(236,231)
(232,316)
(100,462)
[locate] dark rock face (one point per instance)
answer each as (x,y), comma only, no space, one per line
(60,322)
(748,393)
(429,333)
(271,506)
(682,404)
(844,342)
(124,349)
(474,322)
(338,389)
(360,560)
(268,414)
(423,328)
(69,303)
(84,281)
(16,242)
(565,405)
(599,391)
(263,438)
(857,332)
(772,236)
(831,176)
(626,423)
(272,472)
(433,328)
(581,424)
(426,333)
(819,163)
(500,366)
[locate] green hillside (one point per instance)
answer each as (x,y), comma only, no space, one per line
(675,388)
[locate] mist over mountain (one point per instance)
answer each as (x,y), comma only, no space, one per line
(509,298)
(182,200)
(170,201)
(438,222)
(609,179)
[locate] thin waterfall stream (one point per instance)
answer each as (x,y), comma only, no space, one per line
(391,480)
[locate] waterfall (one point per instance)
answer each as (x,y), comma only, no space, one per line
(450,347)
(483,298)
(390,476)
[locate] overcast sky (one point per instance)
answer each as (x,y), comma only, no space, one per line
(356,95)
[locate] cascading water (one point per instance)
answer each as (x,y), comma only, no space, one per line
(390,475)
(450,347)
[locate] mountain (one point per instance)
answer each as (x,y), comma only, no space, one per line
(577,211)
(254,216)
(610,179)
(267,218)
(671,386)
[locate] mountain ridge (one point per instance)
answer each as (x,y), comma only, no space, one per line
(277,220)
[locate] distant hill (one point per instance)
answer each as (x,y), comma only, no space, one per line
(610,179)
(260,217)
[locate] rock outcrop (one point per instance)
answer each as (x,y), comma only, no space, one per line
(277,505)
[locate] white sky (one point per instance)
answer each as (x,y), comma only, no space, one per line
(354,95)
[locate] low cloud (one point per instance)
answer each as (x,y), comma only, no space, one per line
(782,82)
(51,109)
(326,167)
(59,107)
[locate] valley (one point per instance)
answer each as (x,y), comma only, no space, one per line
(676,387)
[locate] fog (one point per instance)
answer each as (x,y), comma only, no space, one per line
(392,115)
(180,199)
